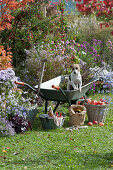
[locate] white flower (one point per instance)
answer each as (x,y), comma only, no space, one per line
(83,52)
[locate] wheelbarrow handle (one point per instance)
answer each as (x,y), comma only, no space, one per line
(25,84)
(56,87)
(20,83)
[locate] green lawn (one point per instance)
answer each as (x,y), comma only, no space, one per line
(90,148)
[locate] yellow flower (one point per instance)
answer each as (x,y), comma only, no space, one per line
(78,45)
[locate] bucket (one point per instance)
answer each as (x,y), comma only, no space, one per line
(49,123)
(32,114)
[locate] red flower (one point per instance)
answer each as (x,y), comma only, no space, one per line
(101,26)
(112,33)
(107,25)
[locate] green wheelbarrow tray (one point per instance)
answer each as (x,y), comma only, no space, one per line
(50,94)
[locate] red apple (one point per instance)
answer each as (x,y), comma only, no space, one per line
(101,103)
(89,101)
(93,102)
(101,124)
(90,123)
(95,122)
(102,100)
(97,103)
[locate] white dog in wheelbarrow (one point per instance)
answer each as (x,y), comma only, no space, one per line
(75,79)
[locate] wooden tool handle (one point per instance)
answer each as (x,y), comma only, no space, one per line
(56,87)
(20,83)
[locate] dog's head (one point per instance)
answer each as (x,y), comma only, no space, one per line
(75,69)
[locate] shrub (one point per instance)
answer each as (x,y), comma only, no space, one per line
(12,102)
(60,56)
(20,124)
(107,87)
(5,58)
(87,28)
(6,128)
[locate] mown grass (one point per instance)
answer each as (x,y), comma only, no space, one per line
(90,148)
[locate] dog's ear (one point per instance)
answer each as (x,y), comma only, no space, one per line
(72,66)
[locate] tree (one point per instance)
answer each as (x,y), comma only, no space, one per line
(7,7)
(102,9)
(6,18)
(5,58)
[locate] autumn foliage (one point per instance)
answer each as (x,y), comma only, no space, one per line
(7,7)
(102,9)
(5,58)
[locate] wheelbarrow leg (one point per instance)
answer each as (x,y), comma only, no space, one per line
(46,104)
(56,106)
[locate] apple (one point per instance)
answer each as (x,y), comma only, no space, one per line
(89,101)
(98,103)
(90,123)
(93,102)
(102,100)
(101,103)
(95,122)
(101,124)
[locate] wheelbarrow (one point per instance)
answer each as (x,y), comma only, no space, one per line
(50,91)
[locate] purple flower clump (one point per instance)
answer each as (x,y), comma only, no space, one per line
(6,128)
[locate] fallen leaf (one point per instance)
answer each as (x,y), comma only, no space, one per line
(62,133)
(23,159)
(4,151)
(25,167)
(38,135)
(4,157)
(47,151)
(71,139)
(16,153)
(48,161)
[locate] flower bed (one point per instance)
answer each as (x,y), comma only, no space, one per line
(13,106)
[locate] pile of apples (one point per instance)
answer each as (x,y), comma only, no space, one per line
(95,123)
(94,102)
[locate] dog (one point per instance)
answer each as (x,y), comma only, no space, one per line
(75,79)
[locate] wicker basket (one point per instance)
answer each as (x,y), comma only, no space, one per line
(96,112)
(77,118)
